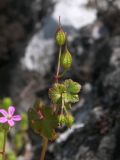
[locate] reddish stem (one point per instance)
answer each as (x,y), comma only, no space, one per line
(58,67)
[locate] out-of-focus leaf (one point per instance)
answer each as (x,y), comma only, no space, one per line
(46,125)
(1,127)
(24,122)
(18,141)
(4,126)
(6,103)
(11,156)
(1,157)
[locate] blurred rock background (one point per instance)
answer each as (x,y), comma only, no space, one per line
(27,63)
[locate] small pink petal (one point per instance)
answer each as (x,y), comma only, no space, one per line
(3,119)
(11,123)
(4,113)
(11,110)
(16,118)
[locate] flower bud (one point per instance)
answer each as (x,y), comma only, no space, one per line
(60,37)
(69,119)
(61,119)
(66,59)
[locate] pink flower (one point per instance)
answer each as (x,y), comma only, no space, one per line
(9,116)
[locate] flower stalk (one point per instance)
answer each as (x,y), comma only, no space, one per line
(44,148)
(58,66)
(4,144)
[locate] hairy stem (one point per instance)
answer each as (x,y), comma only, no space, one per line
(4,144)
(58,66)
(44,148)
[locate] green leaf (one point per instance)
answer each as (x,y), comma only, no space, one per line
(34,121)
(55,93)
(70,98)
(43,126)
(68,91)
(72,90)
(72,87)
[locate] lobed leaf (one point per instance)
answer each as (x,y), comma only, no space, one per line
(55,93)
(72,90)
(46,126)
(72,87)
(70,98)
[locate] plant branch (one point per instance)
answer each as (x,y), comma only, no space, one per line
(4,144)
(58,66)
(44,148)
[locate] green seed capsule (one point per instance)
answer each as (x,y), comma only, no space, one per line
(61,119)
(69,119)
(66,59)
(60,37)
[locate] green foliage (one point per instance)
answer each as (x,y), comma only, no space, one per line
(55,93)
(0,156)
(6,102)
(4,127)
(18,141)
(19,138)
(72,90)
(24,122)
(11,156)
(46,125)
(72,87)
(68,92)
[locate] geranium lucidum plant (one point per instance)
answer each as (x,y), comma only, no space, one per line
(7,120)
(45,119)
